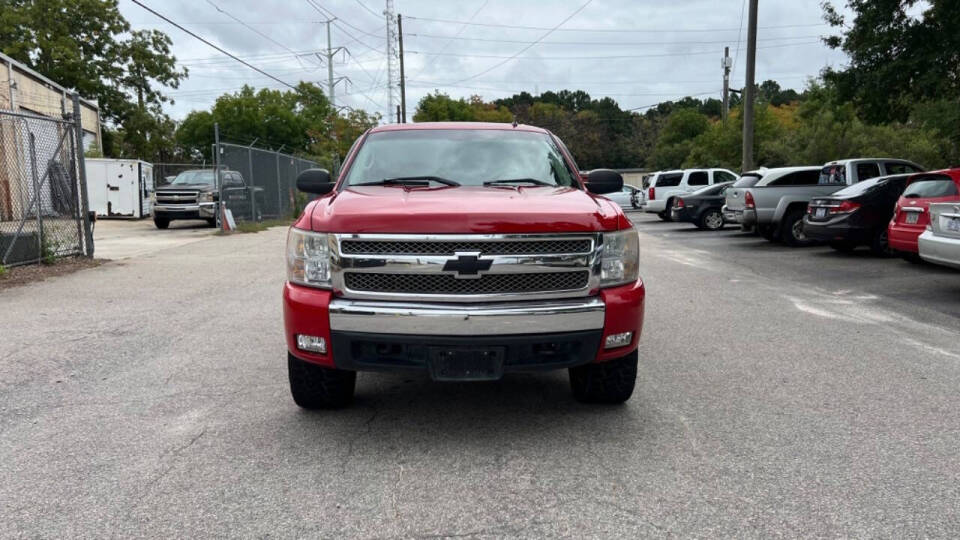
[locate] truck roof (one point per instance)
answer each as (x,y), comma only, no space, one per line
(458,125)
(848,160)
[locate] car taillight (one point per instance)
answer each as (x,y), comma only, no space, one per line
(652,194)
(748,201)
(845,207)
(679,203)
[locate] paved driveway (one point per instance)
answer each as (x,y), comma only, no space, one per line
(149,398)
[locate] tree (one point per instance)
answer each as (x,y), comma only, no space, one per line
(896,60)
(87,45)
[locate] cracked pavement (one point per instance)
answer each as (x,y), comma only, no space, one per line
(781,393)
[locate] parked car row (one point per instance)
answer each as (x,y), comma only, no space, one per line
(891,206)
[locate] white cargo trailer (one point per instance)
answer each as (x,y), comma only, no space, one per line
(119,187)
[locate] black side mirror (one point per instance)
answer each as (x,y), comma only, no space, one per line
(315,181)
(602,181)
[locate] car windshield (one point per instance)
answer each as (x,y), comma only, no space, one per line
(861,187)
(469,157)
(747,180)
(931,187)
(194,177)
(833,174)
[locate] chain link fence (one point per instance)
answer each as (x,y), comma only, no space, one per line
(259,184)
(42,195)
(164,173)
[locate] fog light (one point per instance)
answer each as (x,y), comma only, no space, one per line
(618,340)
(311,344)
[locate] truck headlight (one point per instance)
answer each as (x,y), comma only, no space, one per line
(153,197)
(620,260)
(308,258)
(206,196)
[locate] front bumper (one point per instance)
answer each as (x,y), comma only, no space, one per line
(939,249)
(562,332)
(202,210)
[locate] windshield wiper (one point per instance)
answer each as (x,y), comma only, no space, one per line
(532,181)
(410,181)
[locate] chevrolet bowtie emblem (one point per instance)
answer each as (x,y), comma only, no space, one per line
(467,266)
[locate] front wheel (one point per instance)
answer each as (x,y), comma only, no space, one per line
(608,382)
(161,223)
(711,220)
(318,387)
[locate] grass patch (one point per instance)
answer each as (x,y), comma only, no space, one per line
(3,270)
(254,227)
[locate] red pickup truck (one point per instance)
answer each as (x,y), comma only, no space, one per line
(465,251)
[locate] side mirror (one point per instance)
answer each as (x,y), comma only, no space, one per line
(315,181)
(602,181)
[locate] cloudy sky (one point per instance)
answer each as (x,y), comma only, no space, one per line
(639,52)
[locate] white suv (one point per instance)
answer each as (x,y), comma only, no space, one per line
(665,186)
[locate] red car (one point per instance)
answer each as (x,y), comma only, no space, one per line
(912,213)
(464,251)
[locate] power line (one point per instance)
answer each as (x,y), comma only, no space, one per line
(603,43)
(528,47)
(370,11)
(739,36)
(669,101)
(600,57)
(613,30)
(251,66)
(429,64)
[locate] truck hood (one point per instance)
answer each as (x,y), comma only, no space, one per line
(463,210)
(175,187)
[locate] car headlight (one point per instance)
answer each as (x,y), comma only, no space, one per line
(206,196)
(153,197)
(308,258)
(620,260)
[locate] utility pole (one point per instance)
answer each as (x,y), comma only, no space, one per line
(727,64)
(403,80)
(328,57)
(748,90)
(393,86)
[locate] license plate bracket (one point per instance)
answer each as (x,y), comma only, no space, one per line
(820,213)
(466,363)
(913,217)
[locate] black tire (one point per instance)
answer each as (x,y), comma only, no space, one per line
(318,387)
(711,220)
(212,222)
(609,382)
(879,245)
(768,232)
(664,216)
(845,247)
(791,229)
(668,211)
(161,223)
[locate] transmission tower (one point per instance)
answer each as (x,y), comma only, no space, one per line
(393,58)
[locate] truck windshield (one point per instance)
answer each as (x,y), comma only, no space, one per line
(468,157)
(194,177)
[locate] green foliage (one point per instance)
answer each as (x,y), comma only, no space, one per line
(896,59)
(89,46)
(3,270)
(48,250)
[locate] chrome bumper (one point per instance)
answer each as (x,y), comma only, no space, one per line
(204,209)
(510,318)
(732,216)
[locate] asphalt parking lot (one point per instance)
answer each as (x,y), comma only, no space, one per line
(782,392)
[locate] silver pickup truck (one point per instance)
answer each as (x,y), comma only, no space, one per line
(775,202)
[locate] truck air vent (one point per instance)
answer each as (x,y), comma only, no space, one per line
(446,248)
(485,284)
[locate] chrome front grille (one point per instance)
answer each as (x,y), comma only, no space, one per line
(176,197)
(486,284)
(465,268)
(449,248)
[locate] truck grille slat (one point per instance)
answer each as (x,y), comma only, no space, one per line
(448,284)
(443,247)
(176,197)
